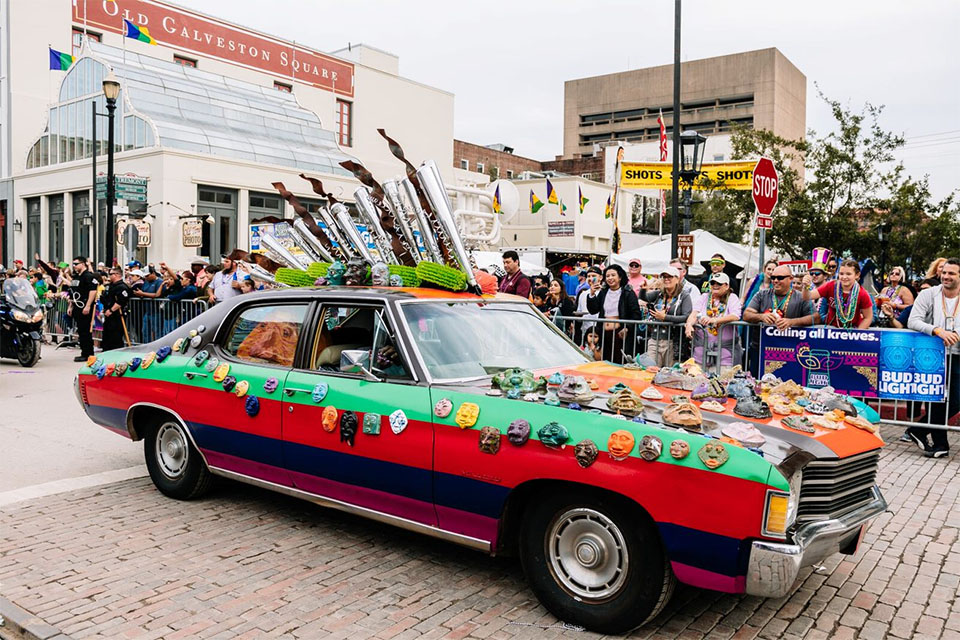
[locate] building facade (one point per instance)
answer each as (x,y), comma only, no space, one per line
(208,118)
(495,161)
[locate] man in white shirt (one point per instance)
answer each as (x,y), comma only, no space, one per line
(225,284)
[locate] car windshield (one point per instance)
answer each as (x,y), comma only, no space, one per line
(20,294)
(462,340)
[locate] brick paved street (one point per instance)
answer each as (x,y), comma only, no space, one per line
(122,561)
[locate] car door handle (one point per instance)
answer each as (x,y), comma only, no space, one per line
(190,375)
(292,390)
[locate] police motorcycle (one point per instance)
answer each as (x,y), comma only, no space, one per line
(21,322)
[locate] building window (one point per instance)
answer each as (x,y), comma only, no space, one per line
(718,157)
(78,39)
(344,119)
(464,164)
(279,86)
(479,167)
(509,174)
(186,62)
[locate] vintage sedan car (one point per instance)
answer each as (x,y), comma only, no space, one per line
(379,401)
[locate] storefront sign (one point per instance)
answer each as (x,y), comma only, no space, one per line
(195,33)
(192,233)
(143,229)
(737,176)
(130,187)
(561,228)
(890,364)
(797,267)
(685,248)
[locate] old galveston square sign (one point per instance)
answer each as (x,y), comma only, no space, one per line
(182,29)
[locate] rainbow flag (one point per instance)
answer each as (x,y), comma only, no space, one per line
(583,201)
(60,61)
(551,194)
(607,211)
(497,206)
(535,203)
(138,33)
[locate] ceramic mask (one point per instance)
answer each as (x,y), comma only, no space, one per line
(212,364)
(91,360)
(335,273)
(713,454)
(241,389)
(752,407)
(741,387)
(178,344)
(594,385)
(396,280)
(489,440)
(679,449)
(626,402)
(553,434)
(101,372)
(711,388)
(348,427)
(617,388)
(586,453)
(193,332)
(200,358)
(841,403)
(371,424)
(229,383)
(98,363)
(148,360)
(135,364)
(521,379)
(677,399)
(162,353)
(800,423)
(252,405)
(670,378)
(861,423)
(684,414)
(195,341)
(620,444)
(221,372)
(443,408)
(551,399)
(650,448)
(513,394)
(356,274)
(575,389)
(398,421)
(380,275)
(518,432)
(467,415)
(744,432)
(712,405)
(319,392)
(270,384)
(817,408)
(574,406)
(556,378)
(111,368)
(121,368)
(651,393)
(329,418)
(790,389)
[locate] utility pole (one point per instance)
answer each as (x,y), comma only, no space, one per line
(675,192)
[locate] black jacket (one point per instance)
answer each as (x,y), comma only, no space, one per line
(628,308)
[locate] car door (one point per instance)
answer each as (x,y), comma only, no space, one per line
(361,437)
(241,433)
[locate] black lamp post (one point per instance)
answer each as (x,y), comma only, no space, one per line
(692,145)
(111,89)
(883,234)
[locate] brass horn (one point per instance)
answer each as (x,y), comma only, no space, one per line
(436,194)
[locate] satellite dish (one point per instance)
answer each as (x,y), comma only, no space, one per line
(509,198)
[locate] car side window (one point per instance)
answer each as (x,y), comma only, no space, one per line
(266,334)
(357,328)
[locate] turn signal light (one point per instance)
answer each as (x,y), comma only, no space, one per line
(775,518)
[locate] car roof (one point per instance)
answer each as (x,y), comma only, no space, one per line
(390,293)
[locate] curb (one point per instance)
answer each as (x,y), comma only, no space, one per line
(26,625)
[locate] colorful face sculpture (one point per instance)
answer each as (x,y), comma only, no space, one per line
(91,360)
(212,365)
(162,353)
(625,401)
(329,419)
(467,415)
(192,333)
(711,388)
(371,424)
(443,408)
(677,399)
(270,384)
(195,341)
(553,434)
(617,388)
(513,394)
(121,368)
(741,386)
(713,454)
(221,372)
(396,280)
(241,389)
(685,415)
(556,378)
(348,427)
(551,399)
(817,408)
(335,273)
(651,393)
(712,405)
(398,421)
(489,440)
(575,389)
(679,449)
(586,453)
(200,358)
(148,360)
(178,344)
(356,274)
(111,368)
(252,405)
(620,444)
(229,383)
(518,432)
(800,423)
(98,363)
(101,372)
(650,448)
(319,392)
(752,407)
(135,364)
(380,275)
(522,379)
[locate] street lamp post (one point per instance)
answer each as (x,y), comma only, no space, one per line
(692,145)
(111,89)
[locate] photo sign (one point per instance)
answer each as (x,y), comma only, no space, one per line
(192,233)
(890,364)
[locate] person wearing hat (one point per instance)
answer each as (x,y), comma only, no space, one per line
(84,296)
(635,277)
(115,300)
(669,303)
(713,310)
(717,264)
(225,284)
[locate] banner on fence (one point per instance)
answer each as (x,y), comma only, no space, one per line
(895,365)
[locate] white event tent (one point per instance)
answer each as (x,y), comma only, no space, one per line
(654,257)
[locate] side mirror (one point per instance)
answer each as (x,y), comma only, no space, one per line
(357,361)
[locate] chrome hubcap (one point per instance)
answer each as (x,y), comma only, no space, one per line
(172,450)
(587,554)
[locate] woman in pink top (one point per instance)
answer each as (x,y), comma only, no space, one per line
(714,309)
(635,278)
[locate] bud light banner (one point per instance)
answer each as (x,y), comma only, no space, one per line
(892,364)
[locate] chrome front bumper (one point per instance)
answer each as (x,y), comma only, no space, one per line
(773,566)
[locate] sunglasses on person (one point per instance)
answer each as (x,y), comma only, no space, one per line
(716,284)
(716,262)
(815,272)
(778,278)
(634,265)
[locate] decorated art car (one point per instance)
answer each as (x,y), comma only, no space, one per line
(475,420)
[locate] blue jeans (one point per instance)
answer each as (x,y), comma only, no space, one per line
(940,412)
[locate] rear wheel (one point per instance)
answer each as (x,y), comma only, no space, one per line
(595,560)
(175,465)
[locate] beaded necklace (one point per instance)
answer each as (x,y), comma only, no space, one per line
(846,310)
(781,306)
(715,310)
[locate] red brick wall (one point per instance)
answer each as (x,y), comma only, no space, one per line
(474,153)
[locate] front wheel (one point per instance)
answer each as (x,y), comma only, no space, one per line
(28,351)
(595,560)
(175,465)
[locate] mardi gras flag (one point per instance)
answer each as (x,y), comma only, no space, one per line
(535,202)
(563,207)
(551,193)
(583,201)
(607,212)
(138,33)
(497,206)
(60,61)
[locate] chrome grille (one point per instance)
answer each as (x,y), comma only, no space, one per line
(831,488)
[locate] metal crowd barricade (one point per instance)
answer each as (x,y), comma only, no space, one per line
(146,319)
(58,326)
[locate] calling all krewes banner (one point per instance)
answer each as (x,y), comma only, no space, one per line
(713,175)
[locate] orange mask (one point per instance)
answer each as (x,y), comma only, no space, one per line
(329,419)
(620,444)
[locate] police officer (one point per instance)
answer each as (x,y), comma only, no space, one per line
(115,300)
(83,292)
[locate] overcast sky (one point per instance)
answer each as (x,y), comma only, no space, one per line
(506,62)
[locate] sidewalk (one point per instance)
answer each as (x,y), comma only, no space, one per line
(122,561)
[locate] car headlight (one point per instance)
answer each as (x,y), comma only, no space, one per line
(781,508)
(20,316)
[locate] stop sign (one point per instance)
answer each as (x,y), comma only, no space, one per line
(766,186)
